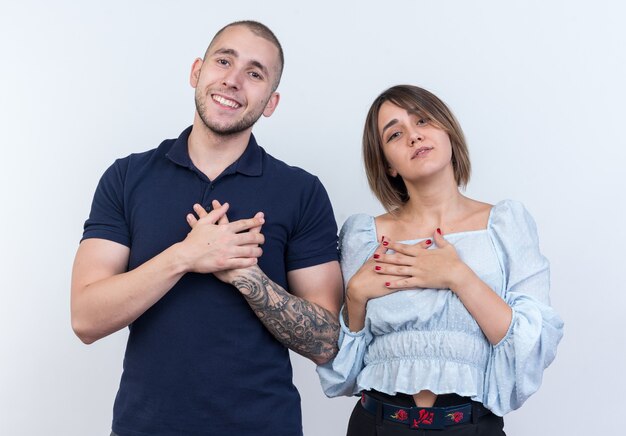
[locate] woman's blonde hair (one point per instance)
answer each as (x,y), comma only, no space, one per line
(391,191)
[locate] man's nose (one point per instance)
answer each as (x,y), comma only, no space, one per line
(232,79)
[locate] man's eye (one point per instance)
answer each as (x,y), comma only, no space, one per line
(222,61)
(255,75)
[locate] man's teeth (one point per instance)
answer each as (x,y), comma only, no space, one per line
(225,102)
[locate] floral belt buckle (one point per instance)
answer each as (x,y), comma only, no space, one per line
(426,418)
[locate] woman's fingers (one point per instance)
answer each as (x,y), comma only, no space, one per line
(426,243)
(404,254)
(408,249)
(393,270)
(403,283)
(393,259)
(380,251)
(439,239)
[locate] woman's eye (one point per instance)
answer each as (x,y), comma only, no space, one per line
(393,136)
(422,121)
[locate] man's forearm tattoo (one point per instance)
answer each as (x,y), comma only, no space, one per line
(303,327)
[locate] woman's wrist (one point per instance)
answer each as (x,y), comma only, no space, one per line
(354,297)
(355,311)
(461,277)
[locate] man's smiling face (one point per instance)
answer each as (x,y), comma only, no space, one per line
(235,81)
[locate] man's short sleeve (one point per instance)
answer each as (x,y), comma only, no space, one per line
(107,218)
(314,240)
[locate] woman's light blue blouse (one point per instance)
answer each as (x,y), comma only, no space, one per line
(426,339)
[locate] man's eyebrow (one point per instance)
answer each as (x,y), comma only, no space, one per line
(260,66)
(389,124)
(233,53)
(227,51)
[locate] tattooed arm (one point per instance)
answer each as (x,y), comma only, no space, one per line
(304,321)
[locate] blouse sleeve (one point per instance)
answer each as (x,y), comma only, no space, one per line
(357,241)
(517,362)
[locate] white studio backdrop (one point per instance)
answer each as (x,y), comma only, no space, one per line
(538,87)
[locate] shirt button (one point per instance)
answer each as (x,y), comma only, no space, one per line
(212,187)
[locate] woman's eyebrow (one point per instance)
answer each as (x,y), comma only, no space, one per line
(389,124)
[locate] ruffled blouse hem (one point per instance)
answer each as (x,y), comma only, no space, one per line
(412,376)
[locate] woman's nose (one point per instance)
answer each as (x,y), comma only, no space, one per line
(415,138)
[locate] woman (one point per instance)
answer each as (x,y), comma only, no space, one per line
(451,328)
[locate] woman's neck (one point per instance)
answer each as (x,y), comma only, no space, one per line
(432,204)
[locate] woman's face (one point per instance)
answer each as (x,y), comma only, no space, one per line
(414,148)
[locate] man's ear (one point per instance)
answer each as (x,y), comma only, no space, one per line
(194,76)
(270,107)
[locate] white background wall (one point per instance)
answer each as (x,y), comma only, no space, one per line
(538,86)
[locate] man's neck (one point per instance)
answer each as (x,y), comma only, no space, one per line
(212,153)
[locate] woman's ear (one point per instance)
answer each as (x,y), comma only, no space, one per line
(392,172)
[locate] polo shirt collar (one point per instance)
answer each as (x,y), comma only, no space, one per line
(250,163)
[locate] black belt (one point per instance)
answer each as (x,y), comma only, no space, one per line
(425,417)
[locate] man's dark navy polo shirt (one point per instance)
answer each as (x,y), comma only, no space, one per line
(199,362)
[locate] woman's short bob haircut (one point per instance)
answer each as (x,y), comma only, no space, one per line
(391,191)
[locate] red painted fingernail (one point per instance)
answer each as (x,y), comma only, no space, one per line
(376,256)
(438,230)
(377,268)
(385,243)
(428,242)
(387,284)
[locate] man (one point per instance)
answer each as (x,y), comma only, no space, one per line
(202,358)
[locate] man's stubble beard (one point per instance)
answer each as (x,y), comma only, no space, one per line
(237,127)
